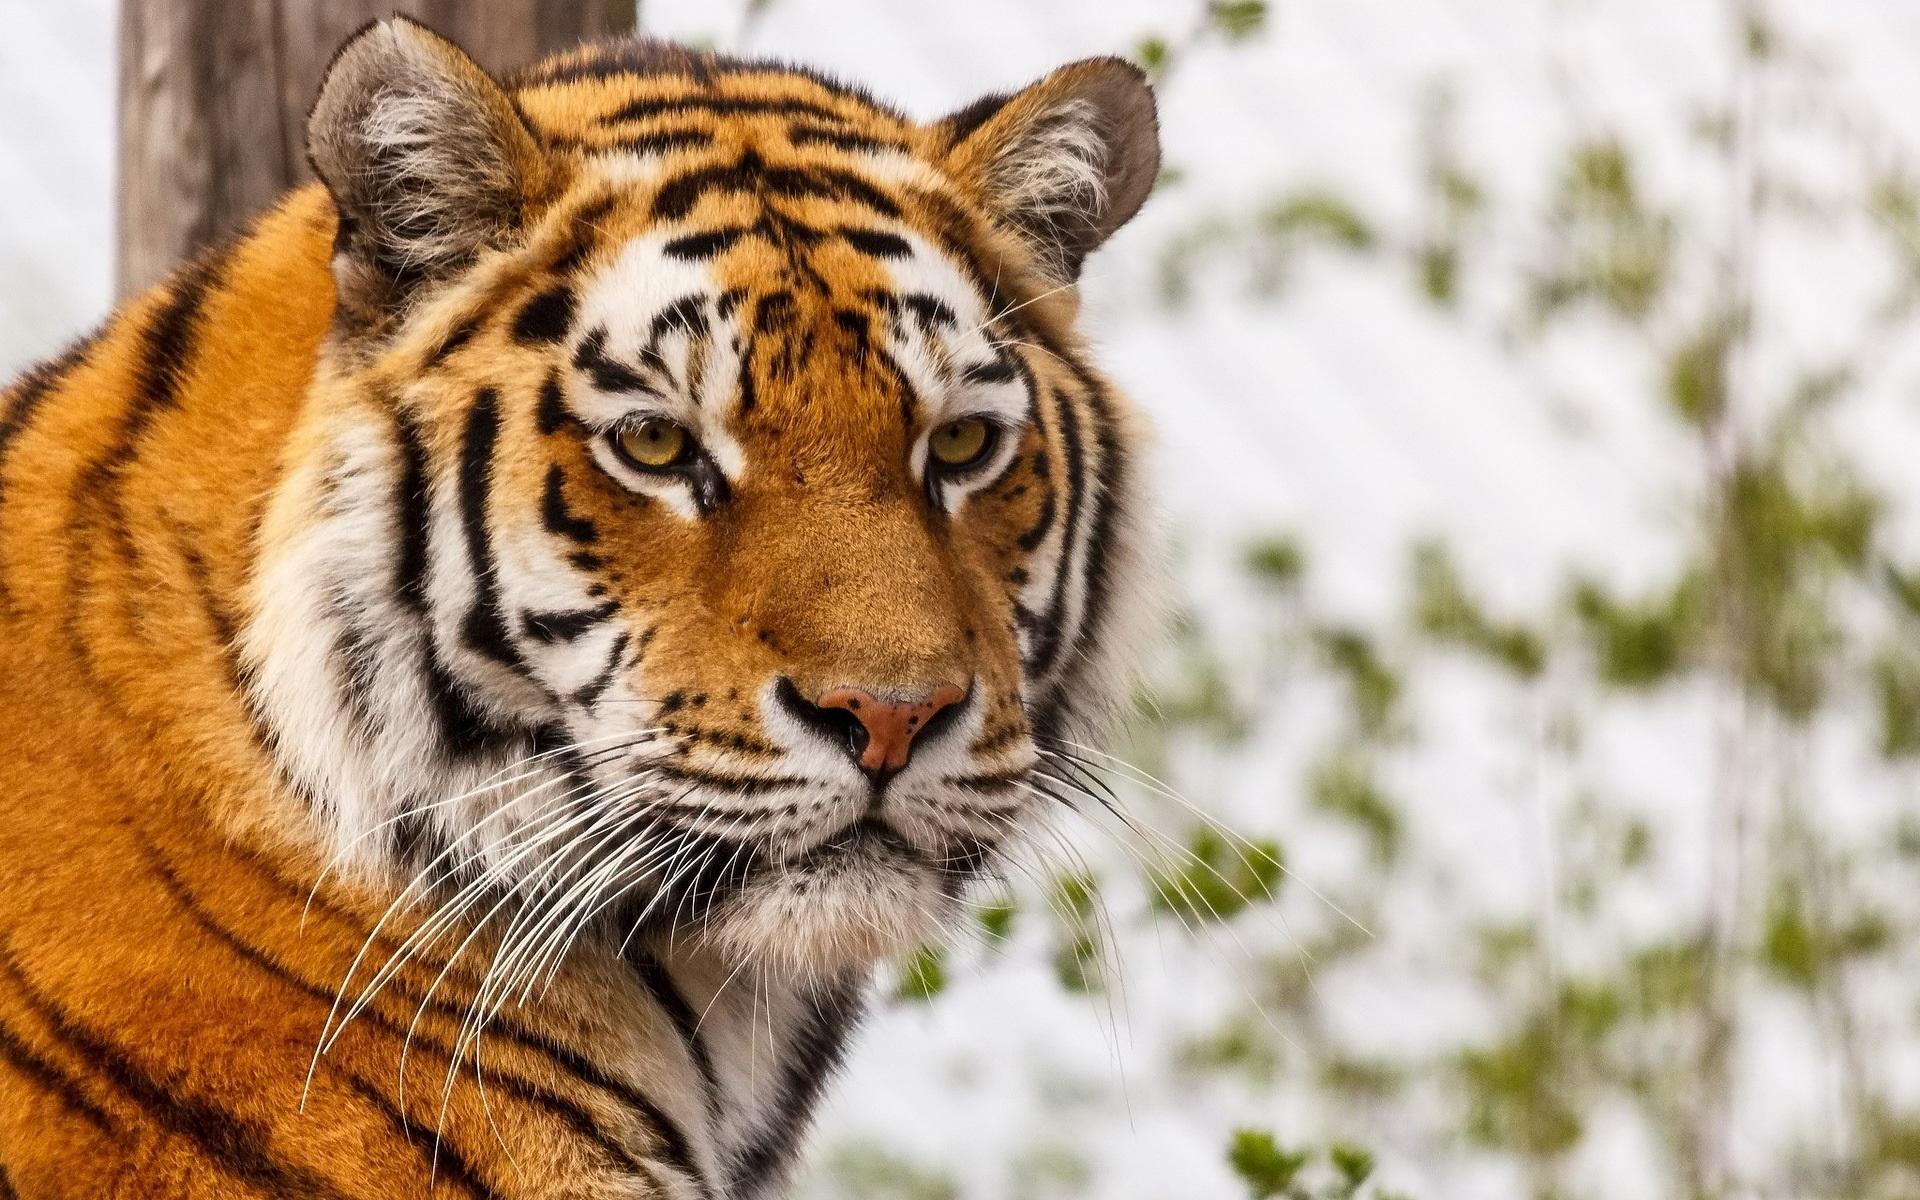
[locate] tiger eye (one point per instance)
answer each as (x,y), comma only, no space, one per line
(961,443)
(653,443)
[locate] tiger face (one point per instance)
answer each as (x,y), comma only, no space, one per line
(707,521)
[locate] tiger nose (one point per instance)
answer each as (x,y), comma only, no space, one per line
(878,734)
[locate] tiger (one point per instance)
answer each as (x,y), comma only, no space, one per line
(506,649)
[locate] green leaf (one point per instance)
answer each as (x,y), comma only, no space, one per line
(1262,1165)
(1343,785)
(1318,214)
(924,976)
(1153,54)
(996,919)
(1354,1163)
(1276,560)
(1215,880)
(1238,19)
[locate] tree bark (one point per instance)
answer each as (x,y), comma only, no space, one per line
(214,96)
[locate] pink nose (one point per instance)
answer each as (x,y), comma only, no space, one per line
(890,725)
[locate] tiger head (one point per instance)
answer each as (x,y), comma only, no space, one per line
(706,518)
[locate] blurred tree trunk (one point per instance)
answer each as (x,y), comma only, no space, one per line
(214,96)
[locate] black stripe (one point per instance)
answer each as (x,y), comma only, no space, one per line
(677,197)
(444,1159)
(700,246)
(749,390)
(1047,643)
(747,785)
(930,310)
(552,415)
(547,317)
(485,628)
(6,1185)
(224,1137)
(166,349)
(411,513)
(829,183)
(461,334)
(1098,569)
(959,126)
(659,141)
(566,1111)
(853,143)
(464,728)
(32,390)
(556,517)
(654,106)
(355,658)
(583,234)
(686,315)
(608,375)
(813,1057)
(666,993)
(996,370)
(567,626)
(854,324)
(590,694)
(48,1076)
(1041,525)
(876,243)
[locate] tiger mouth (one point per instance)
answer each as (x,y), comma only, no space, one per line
(865,840)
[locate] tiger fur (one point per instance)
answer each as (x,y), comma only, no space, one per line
(413,792)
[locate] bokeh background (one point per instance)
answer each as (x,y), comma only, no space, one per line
(1525,805)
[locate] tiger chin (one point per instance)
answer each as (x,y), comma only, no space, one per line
(498,653)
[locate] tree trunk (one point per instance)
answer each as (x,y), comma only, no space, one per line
(214,96)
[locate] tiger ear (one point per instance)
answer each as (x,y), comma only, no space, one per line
(1064,162)
(427,160)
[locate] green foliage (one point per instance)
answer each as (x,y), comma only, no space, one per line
(1373,687)
(1266,242)
(1445,611)
(1197,693)
(996,918)
(1343,785)
(1799,948)
(1277,561)
(1896,690)
(1454,201)
(1354,1163)
(1517,1095)
(1312,215)
(1267,1170)
(1438,267)
(1237,19)
(1697,371)
(1782,539)
(1153,54)
(1262,1165)
(1242,1046)
(1077,958)
(1667,977)
(1216,880)
(1640,643)
(924,976)
(1609,248)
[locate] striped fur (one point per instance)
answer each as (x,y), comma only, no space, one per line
(405,799)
